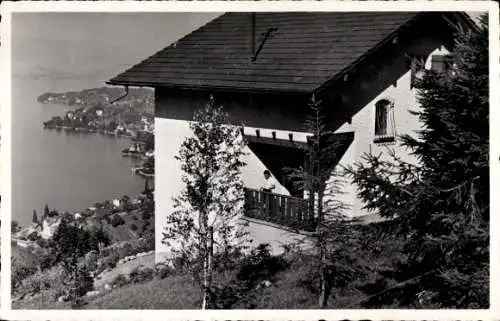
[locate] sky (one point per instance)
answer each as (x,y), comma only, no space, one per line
(83,43)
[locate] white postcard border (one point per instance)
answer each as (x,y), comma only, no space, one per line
(8,8)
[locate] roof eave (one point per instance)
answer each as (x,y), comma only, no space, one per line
(248,90)
(349,67)
(465,18)
(460,15)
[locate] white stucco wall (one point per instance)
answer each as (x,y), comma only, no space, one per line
(363,124)
(169,135)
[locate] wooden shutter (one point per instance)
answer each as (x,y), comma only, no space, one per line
(381,112)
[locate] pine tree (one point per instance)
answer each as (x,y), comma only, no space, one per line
(46,212)
(441,204)
(205,220)
(321,179)
(35,217)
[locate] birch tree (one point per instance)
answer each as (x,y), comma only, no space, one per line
(205,220)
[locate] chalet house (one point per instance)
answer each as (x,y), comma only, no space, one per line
(264,69)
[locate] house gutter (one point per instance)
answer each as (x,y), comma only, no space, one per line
(120,97)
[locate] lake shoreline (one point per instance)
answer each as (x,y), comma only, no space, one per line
(86,131)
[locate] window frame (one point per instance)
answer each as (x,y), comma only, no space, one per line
(381,134)
(441,63)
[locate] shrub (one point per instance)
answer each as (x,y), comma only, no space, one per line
(33,237)
(133,227)
(163,270)
(83,282)
(20,272)
(141,274)
(250,270)
(149,241)
(117,220)
(46,261)
(260,265)
(100,268)
(42,243)
(125,250)
(111,260)
(120,280)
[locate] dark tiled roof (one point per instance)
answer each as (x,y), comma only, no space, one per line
(307,50)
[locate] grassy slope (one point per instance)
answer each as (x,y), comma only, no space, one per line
(287,292)
(176,292)
(179,292)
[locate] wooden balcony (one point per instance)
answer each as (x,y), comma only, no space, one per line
(289,211)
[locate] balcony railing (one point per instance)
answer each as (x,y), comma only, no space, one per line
(280,209)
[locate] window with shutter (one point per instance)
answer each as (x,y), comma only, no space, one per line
(441,63)
(381,108)
(384,122)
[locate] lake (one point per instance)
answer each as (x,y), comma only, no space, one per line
(66,171)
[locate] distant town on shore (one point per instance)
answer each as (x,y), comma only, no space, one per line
(106,110)
(110,111)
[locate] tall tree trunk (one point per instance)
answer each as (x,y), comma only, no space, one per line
(204,258)
(207,268)
(323,293)
(204,304)
(209,265)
